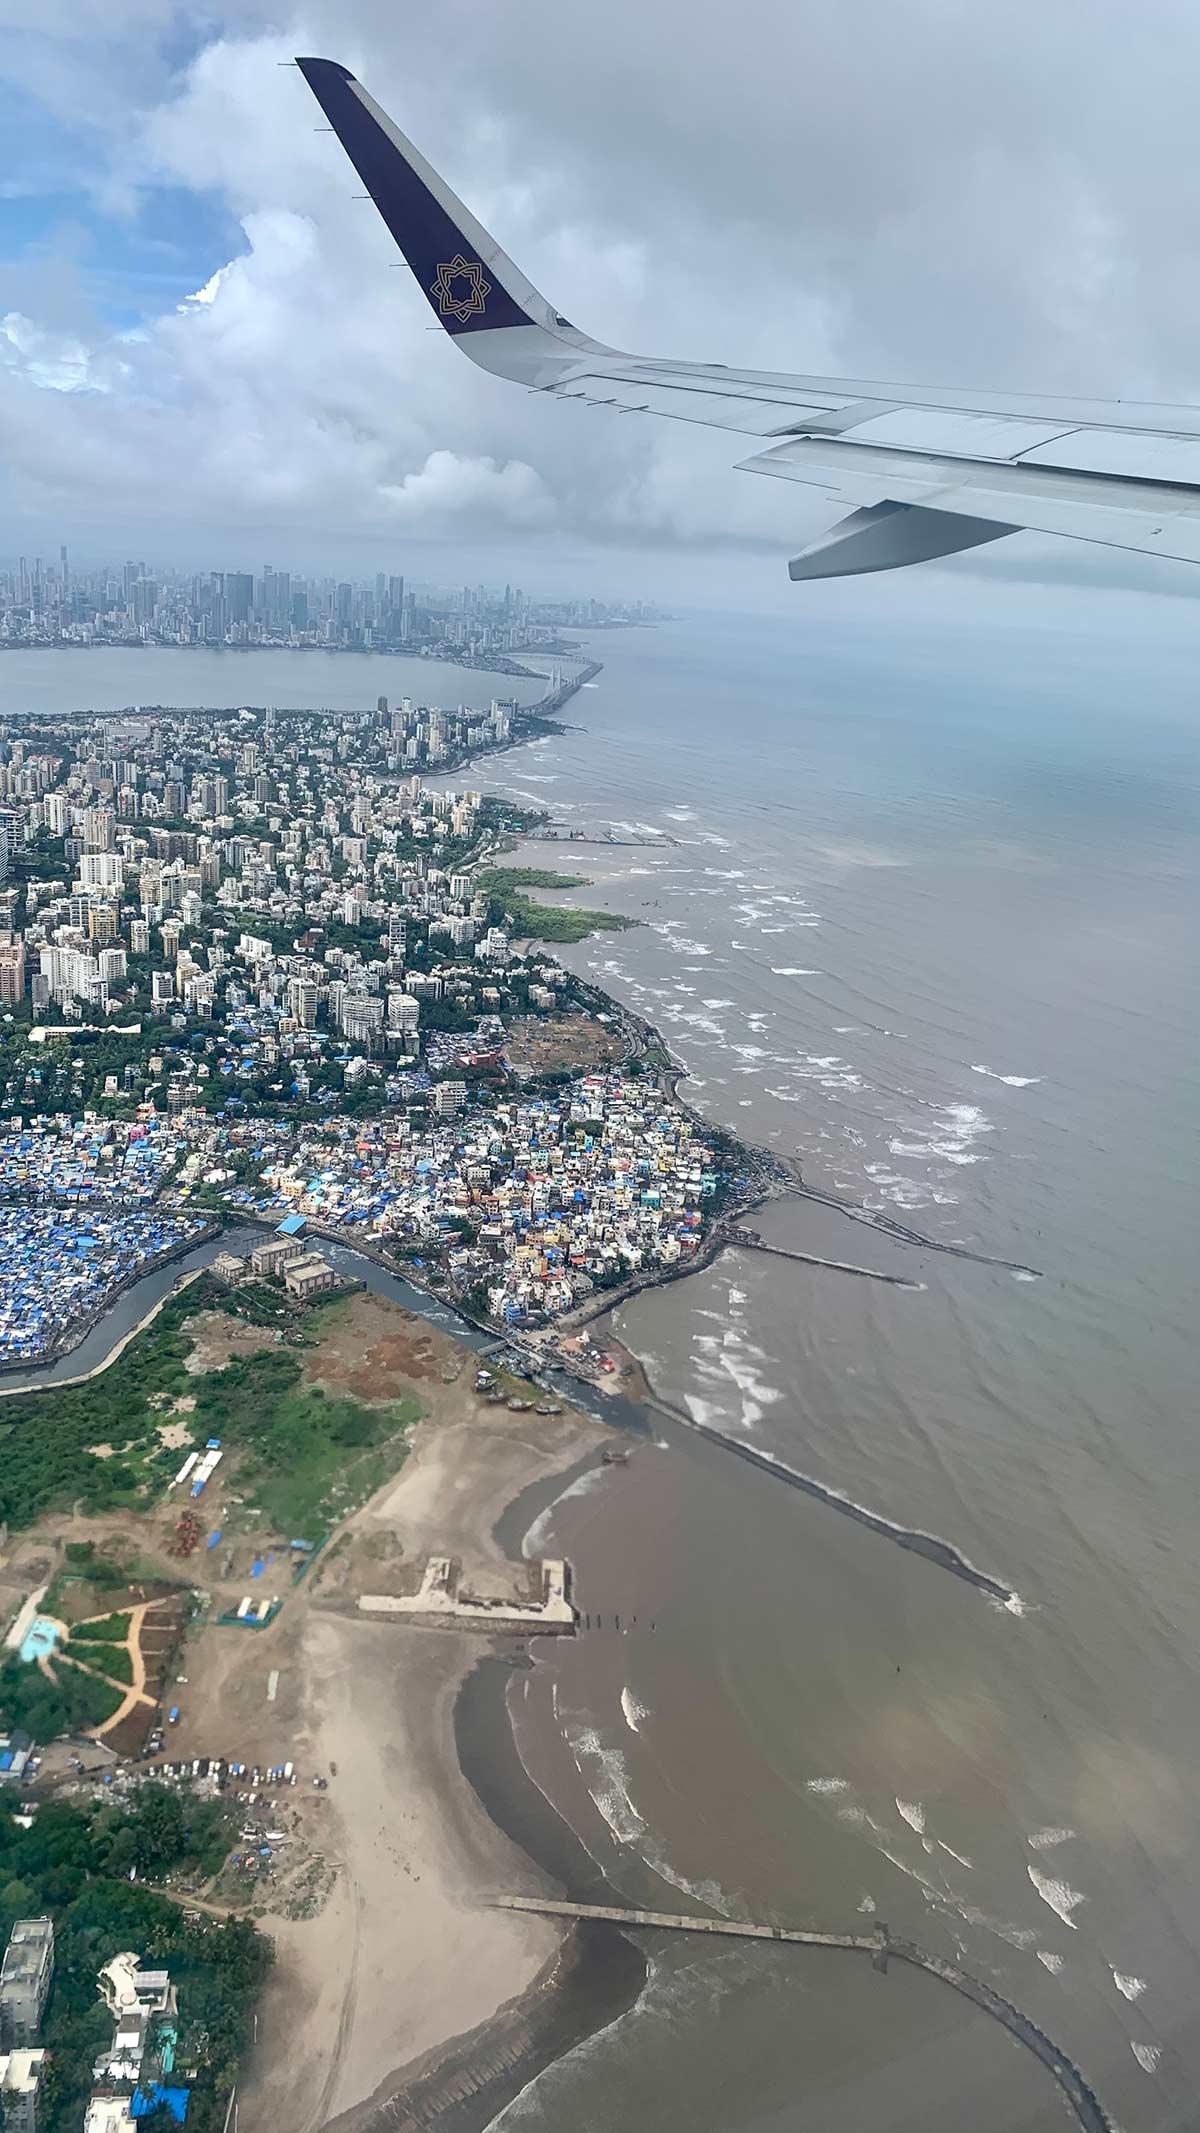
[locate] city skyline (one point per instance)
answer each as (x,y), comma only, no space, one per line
(48,601)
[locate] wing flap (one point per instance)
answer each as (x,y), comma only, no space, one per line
(888,535)
(1149,518)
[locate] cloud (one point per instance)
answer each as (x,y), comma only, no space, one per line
(879,191)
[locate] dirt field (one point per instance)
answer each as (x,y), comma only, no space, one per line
(216,1339)
(371,1348)
(562,1041)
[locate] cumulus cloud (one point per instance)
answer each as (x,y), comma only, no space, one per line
(877,190)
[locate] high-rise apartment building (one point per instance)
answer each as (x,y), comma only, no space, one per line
(25,1976)
(12,970)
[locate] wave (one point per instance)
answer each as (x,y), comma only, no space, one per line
(583,1484)
(1147,2056)
(913,1813)
(606,1774)
(1060,1896)
(633,1711)
(1131,1988)
(1052,1962)
(950,1142)
(708,1892)
(1043,1839)
(826,1785)
(1011,1081)
(951,1853)
(530,2097)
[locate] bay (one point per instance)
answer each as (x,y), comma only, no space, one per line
(107,678)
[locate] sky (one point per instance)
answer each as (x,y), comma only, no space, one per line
(206,351)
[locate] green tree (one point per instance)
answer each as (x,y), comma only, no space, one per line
(159,1830)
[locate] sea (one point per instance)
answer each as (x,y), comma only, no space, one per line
(109,678)
(927,921)
(916,904)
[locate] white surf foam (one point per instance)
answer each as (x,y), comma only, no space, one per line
(867,1906)
(583,1484)
(951,1853)
(826,1785)
(633,1711)
(1043,1840)
(1053,1963)
(935,1894)
(708,1892)
(606,1775)
(1147,2056)
(1060,1896)
(1011,1081)
(951,1140)
(1131,1987)
(1016,1936)
(913,1813)
(793,970)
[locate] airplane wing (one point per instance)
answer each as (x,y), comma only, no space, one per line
(929,470)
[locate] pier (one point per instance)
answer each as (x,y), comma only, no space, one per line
(748,1240)
(882,1947)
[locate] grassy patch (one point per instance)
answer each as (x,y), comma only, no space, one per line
(110,1659)
(107,1629)
(304,1454)
(48,1709)
(83,1561)
(45,1464)
(545,922)
(259,1304)
(497,881)
(103,1702)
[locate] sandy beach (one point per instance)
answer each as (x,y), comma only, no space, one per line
(406,1958)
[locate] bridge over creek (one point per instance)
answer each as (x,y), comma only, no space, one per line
(882,1947)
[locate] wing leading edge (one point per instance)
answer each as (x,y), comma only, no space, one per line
(928,471)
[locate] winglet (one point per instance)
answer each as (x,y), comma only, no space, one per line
(470,284)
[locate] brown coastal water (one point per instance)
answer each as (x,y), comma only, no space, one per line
(937,937)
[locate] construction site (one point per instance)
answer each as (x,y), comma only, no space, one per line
(531,1601)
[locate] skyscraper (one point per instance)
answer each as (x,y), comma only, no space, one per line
(239,593)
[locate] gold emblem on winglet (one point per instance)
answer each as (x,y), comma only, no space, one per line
(460,291)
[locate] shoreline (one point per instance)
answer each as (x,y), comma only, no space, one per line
(411,1994)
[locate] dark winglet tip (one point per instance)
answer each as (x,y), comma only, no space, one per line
(317,67)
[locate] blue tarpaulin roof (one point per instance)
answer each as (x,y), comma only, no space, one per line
(291,1226)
